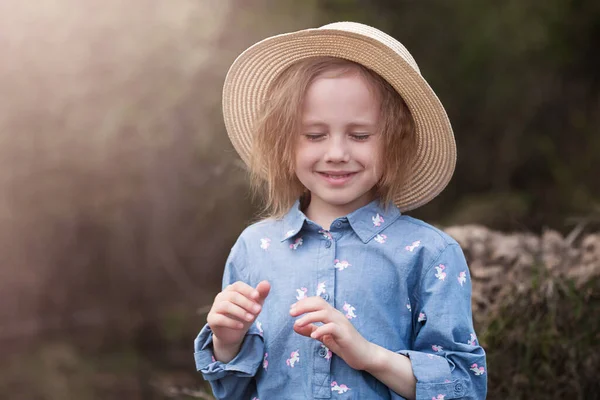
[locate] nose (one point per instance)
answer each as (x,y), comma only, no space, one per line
(337,150)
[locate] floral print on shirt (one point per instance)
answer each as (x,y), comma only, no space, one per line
(294,358)
(265,243)
(339,388)
(413,246)
(341,265)
(380,238)
(296,244)
(462,277)
(440,274)
(373,250)
(349,311)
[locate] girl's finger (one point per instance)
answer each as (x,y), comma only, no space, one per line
(316,316)
(327,329)
(305,330)
(263,289)
(234,311)
(309,304)
(220,320)
(242,301)
(244,289)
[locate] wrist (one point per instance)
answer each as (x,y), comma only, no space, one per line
(225,352)
(376,360)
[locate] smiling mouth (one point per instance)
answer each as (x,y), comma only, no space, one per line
(337,176)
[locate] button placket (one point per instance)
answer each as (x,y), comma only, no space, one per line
(325,274)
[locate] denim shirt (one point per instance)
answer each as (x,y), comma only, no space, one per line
(402,283)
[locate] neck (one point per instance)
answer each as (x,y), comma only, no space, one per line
(325,213)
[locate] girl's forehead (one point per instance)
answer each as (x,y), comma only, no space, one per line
(345,95)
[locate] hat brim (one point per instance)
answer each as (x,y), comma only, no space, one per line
(254,70)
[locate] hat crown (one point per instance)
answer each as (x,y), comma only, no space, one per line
(369,31)
(252,73)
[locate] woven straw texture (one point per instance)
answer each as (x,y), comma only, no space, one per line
(253,71)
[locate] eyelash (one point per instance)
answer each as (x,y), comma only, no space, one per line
(361,137)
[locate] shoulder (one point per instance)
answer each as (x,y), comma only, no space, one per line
(261,232)
(434,236)
(419,237)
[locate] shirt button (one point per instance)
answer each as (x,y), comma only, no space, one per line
(458,387)
(322,352)
(338,224)
(325,296)
(328,244)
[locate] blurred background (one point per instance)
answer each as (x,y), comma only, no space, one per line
(120,195)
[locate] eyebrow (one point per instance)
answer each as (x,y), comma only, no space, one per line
(317,124)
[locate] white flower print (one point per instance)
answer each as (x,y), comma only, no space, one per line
(380,238)
(477,370)
(437,348)
(413,246)
(301,293)
(462,277)
(473,340)
(259,327)
(289,234)
(339,388)
(294,358)
(265,361)
(408,307)
(296,244)
(422,317)
(321,288)
(326,234)
(377,220)
(329,353)
(439,397)
(265,243)
(349,311)
(341,265)
(440,274)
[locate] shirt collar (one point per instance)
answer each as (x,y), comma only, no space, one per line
(293,221)
(367,221)
(370,220)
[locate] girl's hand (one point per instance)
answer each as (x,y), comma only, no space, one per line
(232,313)
(337,333)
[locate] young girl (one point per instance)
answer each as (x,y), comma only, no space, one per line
(337,294)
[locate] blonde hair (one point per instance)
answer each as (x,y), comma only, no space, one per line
(272,171)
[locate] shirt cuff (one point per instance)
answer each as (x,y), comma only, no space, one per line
(245,363)
(434,379)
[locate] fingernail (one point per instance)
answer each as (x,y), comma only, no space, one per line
(255,294)
(256,308)
(293,305)
(249,317)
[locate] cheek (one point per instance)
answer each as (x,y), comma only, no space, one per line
(375,158)
(304,158)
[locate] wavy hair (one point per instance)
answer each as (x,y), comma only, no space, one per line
(272,171)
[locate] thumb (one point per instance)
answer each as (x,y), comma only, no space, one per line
(263,289)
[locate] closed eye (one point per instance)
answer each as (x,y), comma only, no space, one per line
(313,137)
(361,137)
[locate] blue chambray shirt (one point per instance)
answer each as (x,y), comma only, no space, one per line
(402,283)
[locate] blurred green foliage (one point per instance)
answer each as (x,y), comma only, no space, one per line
(520,83)
(551,350)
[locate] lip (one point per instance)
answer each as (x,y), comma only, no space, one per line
(336,178)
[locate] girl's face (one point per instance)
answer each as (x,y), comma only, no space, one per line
(338,149)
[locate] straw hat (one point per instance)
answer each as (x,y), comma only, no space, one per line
(253,71)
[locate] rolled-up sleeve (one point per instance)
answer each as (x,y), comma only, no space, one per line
(234,379)
(447,360)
